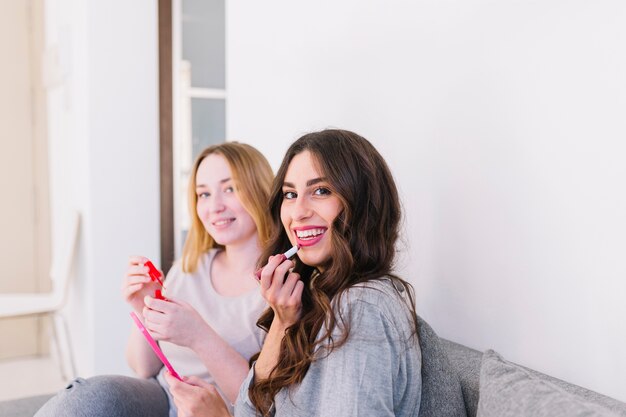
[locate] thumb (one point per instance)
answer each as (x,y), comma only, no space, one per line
(174,381)
(198,382)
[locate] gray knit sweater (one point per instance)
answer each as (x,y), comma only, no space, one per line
(377,372)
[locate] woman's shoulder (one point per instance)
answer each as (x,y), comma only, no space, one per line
(375,291)
(204,264)
(377,305)
(379,296)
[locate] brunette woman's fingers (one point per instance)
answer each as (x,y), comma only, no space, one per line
(275,293)
(290,283)
(278,280)
(296,295)
(268,271)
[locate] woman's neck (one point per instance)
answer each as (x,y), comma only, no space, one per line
(243,256)
(232,270)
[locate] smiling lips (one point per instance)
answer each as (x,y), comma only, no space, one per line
(309,236)
(223,222)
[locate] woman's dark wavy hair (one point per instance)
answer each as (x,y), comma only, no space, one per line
(363,242)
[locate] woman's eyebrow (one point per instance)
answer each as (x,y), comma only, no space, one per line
(221,182)
(308,183)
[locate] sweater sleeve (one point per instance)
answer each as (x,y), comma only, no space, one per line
(243,405)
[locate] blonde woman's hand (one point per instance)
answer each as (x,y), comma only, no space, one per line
(137,283)
(196,398)
(174,321)
(282,289)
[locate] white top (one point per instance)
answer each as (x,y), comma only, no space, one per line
(233,318)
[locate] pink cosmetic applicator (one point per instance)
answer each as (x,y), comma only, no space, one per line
(285,255)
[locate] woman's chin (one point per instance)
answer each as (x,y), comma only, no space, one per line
(316,260)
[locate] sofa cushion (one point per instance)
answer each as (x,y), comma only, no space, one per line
(441,389)
(507,389)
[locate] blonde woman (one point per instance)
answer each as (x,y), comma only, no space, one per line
(207,326)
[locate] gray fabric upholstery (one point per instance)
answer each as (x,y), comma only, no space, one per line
(23,407)
(509,390)
(466,364)
(441,389)
(617,407)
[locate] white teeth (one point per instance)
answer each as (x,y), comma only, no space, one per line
(309,233)
(222,222)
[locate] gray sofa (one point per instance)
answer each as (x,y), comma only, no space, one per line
(466,363)
(451,373)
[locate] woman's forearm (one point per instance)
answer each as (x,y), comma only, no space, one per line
(140,356)
(270,352)
(224,363)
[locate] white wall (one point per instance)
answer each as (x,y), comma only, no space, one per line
(504,125)
(103,125)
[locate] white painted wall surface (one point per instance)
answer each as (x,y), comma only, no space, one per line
(504,125)
(103,124)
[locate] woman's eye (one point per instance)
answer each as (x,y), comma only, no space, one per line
(289,195)
(204,195)
(321,191)
(229,190)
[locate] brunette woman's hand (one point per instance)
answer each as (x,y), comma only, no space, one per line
(174,321)
(196,397)
(282,289)
(137,284)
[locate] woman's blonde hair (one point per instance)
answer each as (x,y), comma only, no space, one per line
(253,178)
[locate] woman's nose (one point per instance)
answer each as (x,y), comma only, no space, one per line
(217,204)
(301,209)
